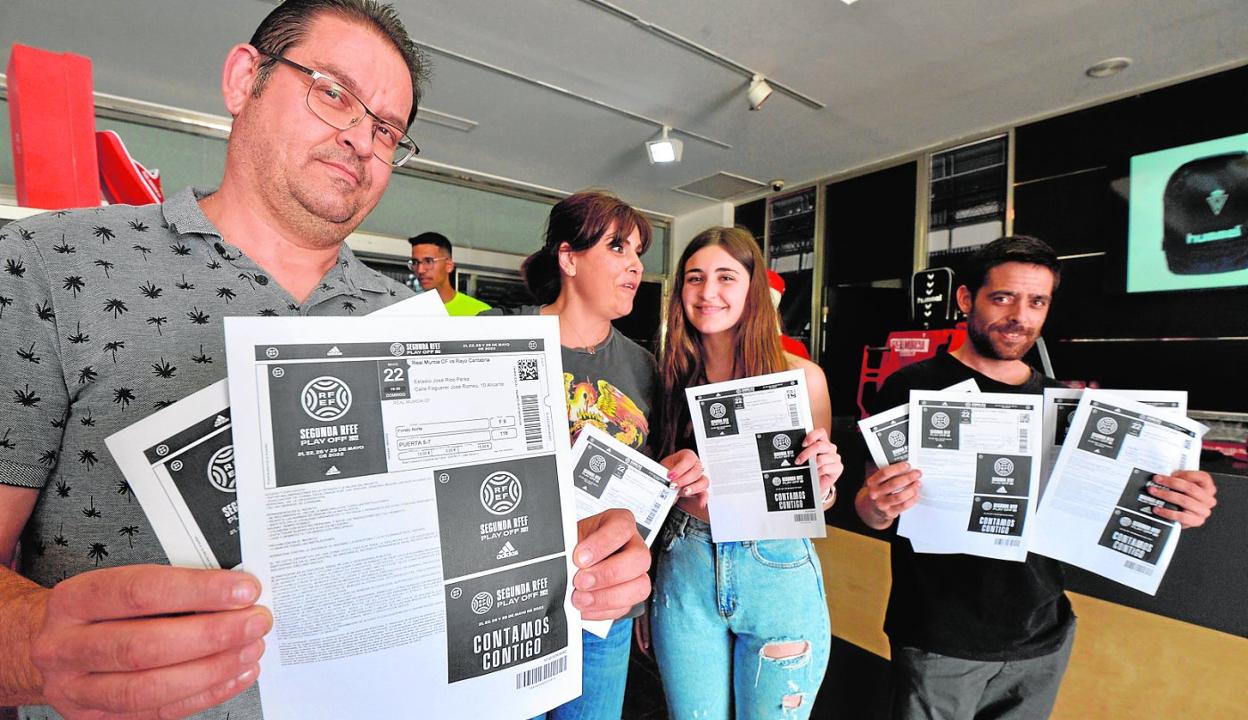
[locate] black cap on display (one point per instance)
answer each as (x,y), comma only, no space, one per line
(1205,211)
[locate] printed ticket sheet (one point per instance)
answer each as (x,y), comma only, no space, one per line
(179,463)
(609,474)
(1098,513)
(403,503)
(980,458)
(1059,412)
(887,435)
(749,433)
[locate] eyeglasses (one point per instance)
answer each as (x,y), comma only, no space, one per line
(425,261)
(339,108)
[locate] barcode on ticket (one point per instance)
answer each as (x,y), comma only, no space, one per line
(1022,440)
(1009,542)
(1142,569)
(541,674)
(793,419)
(531,416)
(805,517)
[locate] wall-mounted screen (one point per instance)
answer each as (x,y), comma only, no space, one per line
(1188,226)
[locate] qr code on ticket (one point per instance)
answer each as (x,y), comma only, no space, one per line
(527,369)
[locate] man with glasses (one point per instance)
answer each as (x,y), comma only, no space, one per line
(433,266)
(118,311)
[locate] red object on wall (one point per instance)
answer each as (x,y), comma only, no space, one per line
(52,117)
(123,179)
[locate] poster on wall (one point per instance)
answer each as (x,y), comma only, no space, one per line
(1188,217)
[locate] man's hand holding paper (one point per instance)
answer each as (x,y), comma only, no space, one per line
(613,563)
(1193,491)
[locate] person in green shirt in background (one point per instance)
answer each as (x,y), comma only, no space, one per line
(432,264)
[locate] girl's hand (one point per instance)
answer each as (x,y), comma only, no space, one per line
(641,631)
(685,474)
(816,445)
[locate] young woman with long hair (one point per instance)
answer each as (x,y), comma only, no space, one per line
(739,628)
(587,274)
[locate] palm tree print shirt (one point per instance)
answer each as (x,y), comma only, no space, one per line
(109,314)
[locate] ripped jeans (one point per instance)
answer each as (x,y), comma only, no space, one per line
(721,616)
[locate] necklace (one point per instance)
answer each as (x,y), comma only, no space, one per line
(587,347)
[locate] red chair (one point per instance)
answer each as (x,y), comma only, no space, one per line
(903,348)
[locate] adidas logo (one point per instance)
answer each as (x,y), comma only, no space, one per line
(221,420)
(506,552)
(334,352)
(333,470)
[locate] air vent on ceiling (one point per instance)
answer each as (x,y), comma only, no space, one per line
(720,186)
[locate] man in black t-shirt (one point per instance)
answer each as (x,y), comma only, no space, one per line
(975,638)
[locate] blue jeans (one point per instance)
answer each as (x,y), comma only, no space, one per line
(605,674)
(716,609)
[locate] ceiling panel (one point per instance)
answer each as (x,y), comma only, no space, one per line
(896,75)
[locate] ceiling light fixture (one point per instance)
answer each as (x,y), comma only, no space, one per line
(758,93)
(688,45)
(665,149)
(1108,68)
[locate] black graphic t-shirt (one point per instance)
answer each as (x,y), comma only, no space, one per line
(611,388)
(108,315)
(962,605)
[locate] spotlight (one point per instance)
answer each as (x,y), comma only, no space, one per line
(758,93)
(665,149)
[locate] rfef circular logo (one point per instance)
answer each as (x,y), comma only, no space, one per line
(221,469)
(1107,426)
(781,442)
(326,398)
(896,438)
(501,492)
(482,602)
(397,348)
(597,463)
(1003,466)
(718,410)
(940,420)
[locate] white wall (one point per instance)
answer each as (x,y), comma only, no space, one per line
(686,227)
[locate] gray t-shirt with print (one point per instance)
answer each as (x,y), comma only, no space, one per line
(611,388)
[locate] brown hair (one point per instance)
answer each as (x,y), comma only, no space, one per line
(580,220)
(287,25)
(756,336)
(1011,248)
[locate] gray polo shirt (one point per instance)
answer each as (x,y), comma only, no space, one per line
(107,315)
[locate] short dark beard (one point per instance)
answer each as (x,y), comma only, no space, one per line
(982,342)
